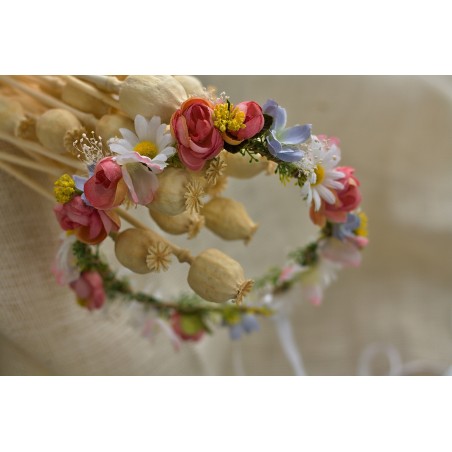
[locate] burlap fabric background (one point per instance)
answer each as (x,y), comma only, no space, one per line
(394,130)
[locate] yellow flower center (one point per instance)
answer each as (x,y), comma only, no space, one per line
(228,117)
(320,173)
(362,230)
(64,189)
(146,148)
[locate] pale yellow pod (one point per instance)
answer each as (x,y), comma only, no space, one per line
(11,115)
(192,85)
(240,167)
(170,196)
(108,126)
(229,219)
(52,126)
(217,277)
(151,95)
(184,223)
(75,97)
(132,249)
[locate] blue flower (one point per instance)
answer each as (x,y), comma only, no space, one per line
(343,230)
(285,143)
(247,325)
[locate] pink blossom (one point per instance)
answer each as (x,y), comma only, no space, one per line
(340,252)
(89,224)
(106,188)
(89,289)
(254,121)
(198,139)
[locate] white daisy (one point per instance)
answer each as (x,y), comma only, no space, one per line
(324,155)
(142,155)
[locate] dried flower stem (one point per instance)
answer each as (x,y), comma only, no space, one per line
(27,181)
(103,82)
(89,89)
(182,254)
(87,118)
(35,147)
(27,163)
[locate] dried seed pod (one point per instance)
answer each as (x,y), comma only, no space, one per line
(135,248)
(108,126)
(11,115)
(192,85)
(83,101)
(240,167)
(217,277)
(219,187)
(178,224)
(151,95)
(228,219)
(52,126)
(170,196)
(27,128)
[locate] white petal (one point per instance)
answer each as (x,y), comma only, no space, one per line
(119,149)
(141,127)
(168,151)
(326,194)
(153,125)
(129,136)
(160,132)
(316,198)
(335,175)
(165,141)
(333,184)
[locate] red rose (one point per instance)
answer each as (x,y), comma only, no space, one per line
(90,225)
(89,289)
(253,122)
(106,188)
(198,140)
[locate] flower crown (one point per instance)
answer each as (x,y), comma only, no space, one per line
(174,159)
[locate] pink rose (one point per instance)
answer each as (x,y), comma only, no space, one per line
(89,225)
(254,121)
(177,324)
(106,188)
(89,289)
(198,140)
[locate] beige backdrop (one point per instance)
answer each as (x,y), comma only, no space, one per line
(396,132)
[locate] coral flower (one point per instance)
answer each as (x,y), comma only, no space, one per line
(198,139)
(89,289)
(89,224)
(106,189)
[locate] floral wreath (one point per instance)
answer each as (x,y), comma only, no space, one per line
(174,159)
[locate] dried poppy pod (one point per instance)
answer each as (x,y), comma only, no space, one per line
(142,251)
(108,126)
(228,219)
(52,126)
(151,95)
(11,115)
(217,277)
(170,196)
(192,85)
(240,167)
(75,97)
(184,223)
